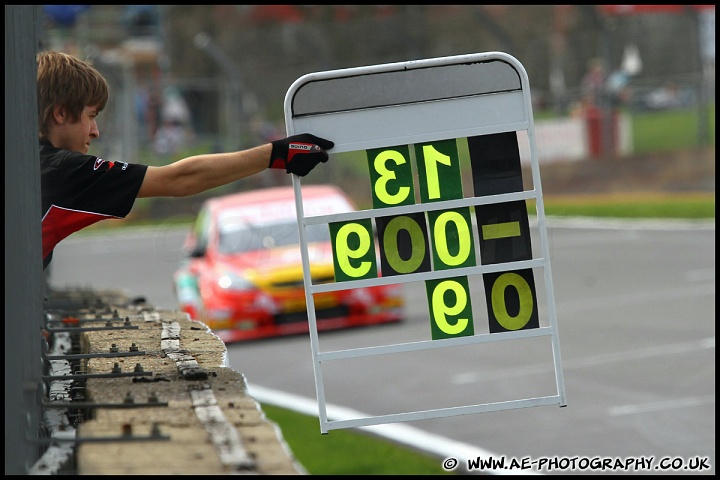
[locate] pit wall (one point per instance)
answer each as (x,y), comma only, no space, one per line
(148,391)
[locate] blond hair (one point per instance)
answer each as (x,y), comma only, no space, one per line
(66,81)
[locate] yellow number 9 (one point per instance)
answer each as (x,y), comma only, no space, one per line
(449,319)
(344,253)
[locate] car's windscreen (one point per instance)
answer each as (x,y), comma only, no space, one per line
(240,238)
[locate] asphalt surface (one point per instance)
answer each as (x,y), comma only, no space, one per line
(636,320)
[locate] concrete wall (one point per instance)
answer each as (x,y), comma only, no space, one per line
(134,390)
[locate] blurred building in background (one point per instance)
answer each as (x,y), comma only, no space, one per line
(230,65)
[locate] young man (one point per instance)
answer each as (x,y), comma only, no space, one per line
(80,189)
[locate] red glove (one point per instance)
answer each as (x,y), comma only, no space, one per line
(299,154)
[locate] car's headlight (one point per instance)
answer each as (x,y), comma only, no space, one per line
(229,280)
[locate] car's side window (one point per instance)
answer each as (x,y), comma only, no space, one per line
(201,232)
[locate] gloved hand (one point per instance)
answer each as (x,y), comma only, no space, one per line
(299,154)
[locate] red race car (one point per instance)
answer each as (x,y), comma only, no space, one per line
(243,277)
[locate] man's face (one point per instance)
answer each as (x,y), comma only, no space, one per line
(75,136)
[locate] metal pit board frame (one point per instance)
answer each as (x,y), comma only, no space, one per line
(407,103)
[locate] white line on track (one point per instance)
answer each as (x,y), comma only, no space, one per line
(664,405)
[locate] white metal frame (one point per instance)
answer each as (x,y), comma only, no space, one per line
(407,103)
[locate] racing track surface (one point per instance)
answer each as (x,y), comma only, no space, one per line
(636,320)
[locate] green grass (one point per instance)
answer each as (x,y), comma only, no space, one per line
(678,206)
(347,452)
(670,130)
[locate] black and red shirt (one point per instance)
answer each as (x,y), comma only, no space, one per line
(79,190)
